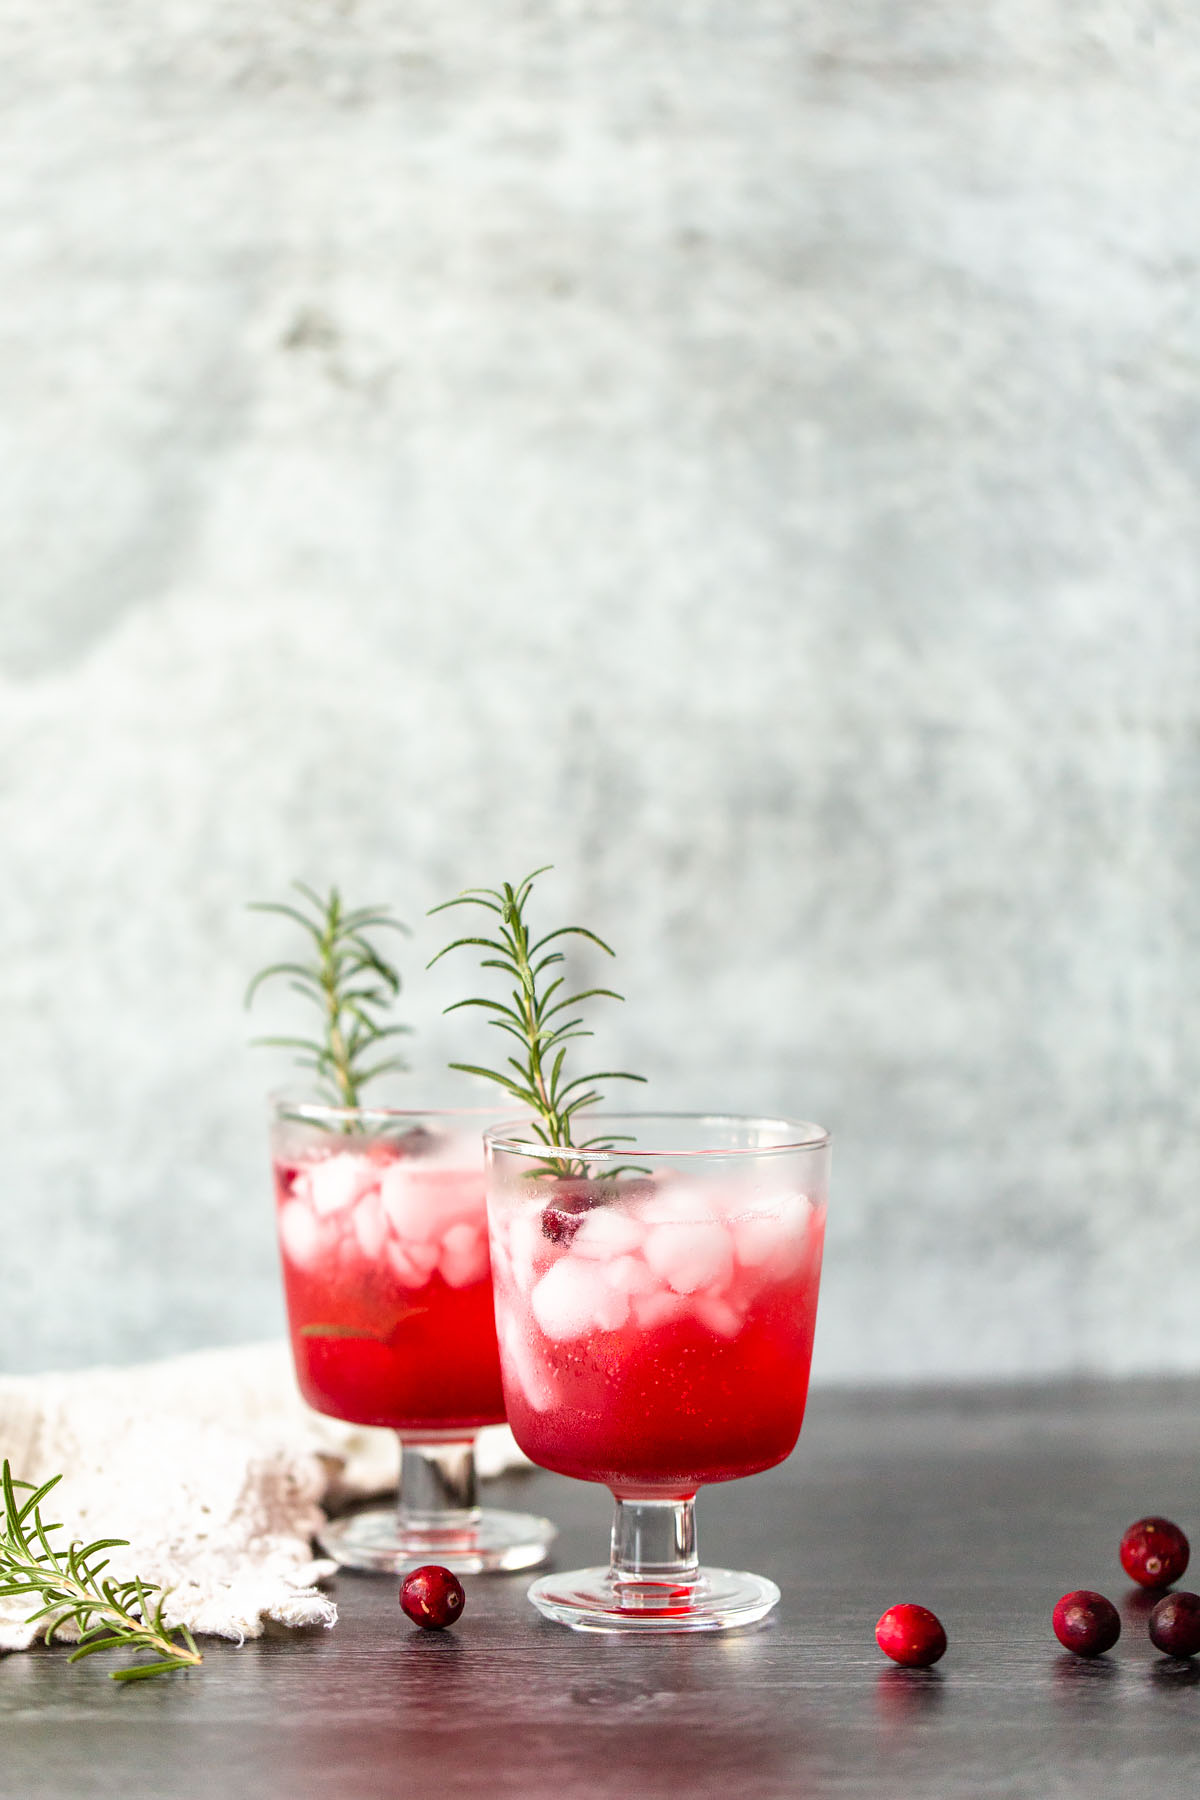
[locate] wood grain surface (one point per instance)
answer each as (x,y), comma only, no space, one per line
(983,1504)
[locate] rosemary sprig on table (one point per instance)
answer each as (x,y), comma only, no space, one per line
(534,1017)
(352,983)
(110,1614)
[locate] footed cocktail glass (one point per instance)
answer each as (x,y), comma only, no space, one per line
(383,1237)
(656,1304)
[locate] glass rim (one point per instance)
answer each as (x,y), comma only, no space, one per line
(316,1111)
(814,1137)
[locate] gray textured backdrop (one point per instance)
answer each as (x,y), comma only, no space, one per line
(743,452)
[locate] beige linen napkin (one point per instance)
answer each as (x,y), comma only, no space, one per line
(213,1468)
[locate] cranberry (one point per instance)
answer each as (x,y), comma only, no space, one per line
(1154,1553)
(414,1142)
(559,1225)
(432,1597)
(1175,1625)
(562,1216)
(911,1635)
(1086,1623)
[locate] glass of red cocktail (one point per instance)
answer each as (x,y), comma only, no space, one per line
(655,1303)
(383,1238)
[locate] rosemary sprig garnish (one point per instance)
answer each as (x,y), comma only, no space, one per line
(535,1018)
(352,983)
(110,1614)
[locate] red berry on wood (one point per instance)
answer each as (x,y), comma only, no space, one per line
(1086,1623)
(1175,1625)
(911,1635)
(432,1597)
(1154,1552)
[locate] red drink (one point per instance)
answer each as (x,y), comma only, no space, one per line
(663,1338)
(656,1294)
(386,1274)
(383,1234)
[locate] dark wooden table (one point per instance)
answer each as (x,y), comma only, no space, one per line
(983,1504)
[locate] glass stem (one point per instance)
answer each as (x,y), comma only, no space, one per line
(437,1499)
(655,1540)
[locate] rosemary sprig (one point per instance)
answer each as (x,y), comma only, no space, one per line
(110,1614)
(535,1018)
(352,983)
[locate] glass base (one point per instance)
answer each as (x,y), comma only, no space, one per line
(711,1600)
(490,1541)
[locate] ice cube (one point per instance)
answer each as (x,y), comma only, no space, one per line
(464,1256)
(370,1226)
(529,1247)
(692,1256)
(573,1298)
(612,1309)
(501,1261)
(338,1181)
(299,1234)
(455,1196)
(422,1204)
(718,1315)
(775,1239)
(425,1256)
(401,1203)
(630,1275)
(675,1203)
(661,1307)
(525,1368)
(606,1231)
(412,1264)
